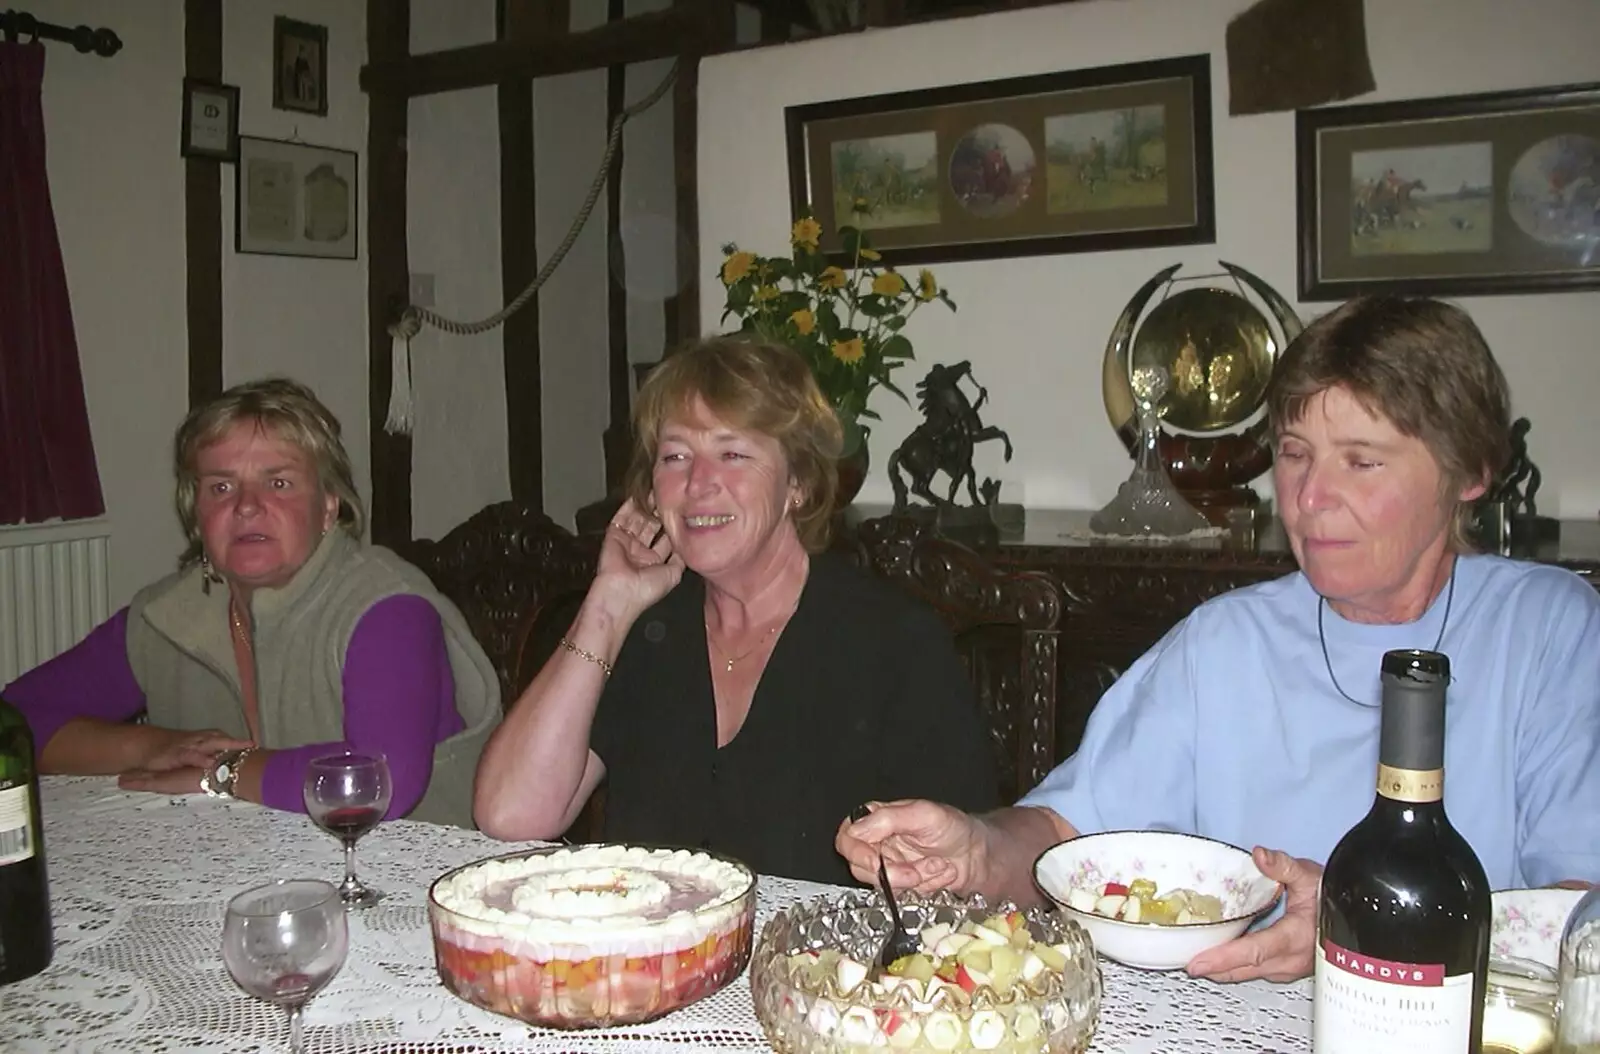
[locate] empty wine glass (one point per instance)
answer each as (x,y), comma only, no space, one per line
(346,795)
(283,942)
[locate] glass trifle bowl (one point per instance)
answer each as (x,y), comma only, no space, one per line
(992,978)
(592,936)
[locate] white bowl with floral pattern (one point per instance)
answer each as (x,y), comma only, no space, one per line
(1172,861)
(1527,923)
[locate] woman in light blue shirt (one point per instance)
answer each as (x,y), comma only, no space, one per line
(1255,721)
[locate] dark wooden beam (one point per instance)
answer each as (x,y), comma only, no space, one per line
(658,34)
(522,20)
(779,16)
(202,206)
(388,271)
(616,442)
(617,272)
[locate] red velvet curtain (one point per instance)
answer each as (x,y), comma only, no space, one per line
(47,466)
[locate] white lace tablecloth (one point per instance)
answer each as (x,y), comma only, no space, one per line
(138,883)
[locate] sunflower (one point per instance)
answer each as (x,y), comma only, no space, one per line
(831,278)
(805,233)
(888,284)
(927,285)
(804,322)
(736,266)
(849,351)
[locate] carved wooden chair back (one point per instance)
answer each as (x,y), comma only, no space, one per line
(1006,628)
(514,573)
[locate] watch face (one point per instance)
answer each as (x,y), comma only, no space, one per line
(224,772)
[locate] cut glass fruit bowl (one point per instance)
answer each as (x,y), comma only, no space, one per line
(815,994)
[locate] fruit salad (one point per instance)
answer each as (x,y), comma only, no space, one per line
(1139,901)
(998,954)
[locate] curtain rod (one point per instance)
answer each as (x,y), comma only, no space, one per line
(102,42)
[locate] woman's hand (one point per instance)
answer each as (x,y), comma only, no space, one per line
(184,750)
(1284,950)
(637,564)
(926,846)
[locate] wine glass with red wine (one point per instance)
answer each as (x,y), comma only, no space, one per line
(283,942)
(346,795)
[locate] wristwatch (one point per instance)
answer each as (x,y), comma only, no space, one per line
(219,780)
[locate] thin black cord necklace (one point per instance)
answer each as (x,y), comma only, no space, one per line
(1322,603)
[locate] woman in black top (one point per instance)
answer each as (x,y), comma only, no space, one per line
(763,687)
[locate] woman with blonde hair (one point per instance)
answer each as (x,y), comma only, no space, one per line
(280,638)
(740,688)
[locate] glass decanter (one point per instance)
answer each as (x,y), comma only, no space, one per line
(1578,994)
(1147,504)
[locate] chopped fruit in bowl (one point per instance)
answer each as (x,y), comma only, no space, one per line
(1138,901)
(1155,899)
(992,979)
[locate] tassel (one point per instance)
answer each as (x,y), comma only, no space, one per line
(400,400)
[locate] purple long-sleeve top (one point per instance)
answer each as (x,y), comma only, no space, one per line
(399,697)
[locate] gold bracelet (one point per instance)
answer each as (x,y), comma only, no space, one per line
(587,655)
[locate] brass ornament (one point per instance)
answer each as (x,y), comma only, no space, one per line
(1218,349)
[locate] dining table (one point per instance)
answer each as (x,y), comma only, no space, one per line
(139,883)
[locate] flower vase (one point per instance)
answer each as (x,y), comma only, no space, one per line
(852,464)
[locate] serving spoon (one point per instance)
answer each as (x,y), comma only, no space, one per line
(899,943)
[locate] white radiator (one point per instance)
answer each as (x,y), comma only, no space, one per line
(54,588)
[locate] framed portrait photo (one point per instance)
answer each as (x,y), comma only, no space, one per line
(295,199)
(1464,195)
(210,120)
(299,66)
(1117,157)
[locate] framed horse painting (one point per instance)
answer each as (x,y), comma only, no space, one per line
(1471,194)
(1117,157)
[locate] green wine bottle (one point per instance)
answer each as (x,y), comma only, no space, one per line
(26,935)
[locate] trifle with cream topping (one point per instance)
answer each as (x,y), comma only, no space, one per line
(594,935)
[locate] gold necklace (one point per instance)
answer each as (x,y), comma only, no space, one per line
(237,622)
(740,658)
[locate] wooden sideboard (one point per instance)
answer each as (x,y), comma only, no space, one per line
(1120,598)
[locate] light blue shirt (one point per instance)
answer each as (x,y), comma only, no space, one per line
(1230,727)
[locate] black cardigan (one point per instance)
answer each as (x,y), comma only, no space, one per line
(863,698)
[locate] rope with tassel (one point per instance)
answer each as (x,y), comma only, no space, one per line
(413,318)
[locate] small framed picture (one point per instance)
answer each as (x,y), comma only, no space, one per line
(299,66)
(295,199)
(210,120)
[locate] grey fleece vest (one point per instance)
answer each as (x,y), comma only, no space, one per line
(182,657)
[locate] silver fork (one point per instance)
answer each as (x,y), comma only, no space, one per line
(899,943)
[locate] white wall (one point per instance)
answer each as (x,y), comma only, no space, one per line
(1035,328)
(116,181)
(459,458)
(569,136)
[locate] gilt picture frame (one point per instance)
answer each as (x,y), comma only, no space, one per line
(1115,157)
(296,199)
(1484,194)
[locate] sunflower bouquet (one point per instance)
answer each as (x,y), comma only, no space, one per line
(847,322)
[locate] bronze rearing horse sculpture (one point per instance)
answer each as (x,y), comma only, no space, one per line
(944,441)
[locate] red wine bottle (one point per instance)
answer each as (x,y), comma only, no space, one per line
(26,936)
(1402,954)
